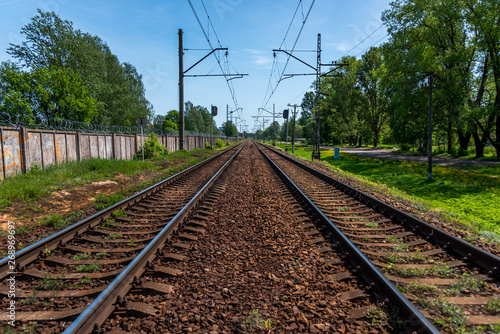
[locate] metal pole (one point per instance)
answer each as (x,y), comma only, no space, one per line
(317,119)
(211,128)
(429,158)
(142,141)
(293,129)
(286,139)
(181,93)
(274,141)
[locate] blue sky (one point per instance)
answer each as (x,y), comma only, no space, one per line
(145,34)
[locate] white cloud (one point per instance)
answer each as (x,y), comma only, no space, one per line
(263,60)
(342,47)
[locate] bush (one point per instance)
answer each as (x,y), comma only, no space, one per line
(208,146)
(152,148)
(228,143)
(219,143)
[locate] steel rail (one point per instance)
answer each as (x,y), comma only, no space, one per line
(381,286)
(468,252)
(29,254)
(100,309)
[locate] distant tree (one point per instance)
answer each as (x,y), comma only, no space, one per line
(230,129)
(197,119)
(370,77)
(53,44)
(44,94)
(171,120)
(308,104)
(272,131)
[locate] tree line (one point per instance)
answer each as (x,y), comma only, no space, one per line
(62,72)
(384,95)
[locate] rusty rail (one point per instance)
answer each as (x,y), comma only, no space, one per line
(382,287)
(104,304)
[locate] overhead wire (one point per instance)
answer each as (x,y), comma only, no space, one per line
(345,54)
(380,40)
(216,55)
(273,90)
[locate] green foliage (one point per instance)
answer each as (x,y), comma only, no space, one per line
(41,182)
(5,203)
(102,201)
(52,283)
(120,213)
(198,119)
(219,143)
(85,268)
(81,256)
(376,316)
(86,280)
(73,75)
(230,129)
(152,148)
(100,255)
(208,146)
(58,222)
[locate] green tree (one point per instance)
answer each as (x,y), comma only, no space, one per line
(434,37)
(370,78)
(484,17)
(15,92)
(342,108)
(171,121)
(53,44)
(44,94)
(230,129)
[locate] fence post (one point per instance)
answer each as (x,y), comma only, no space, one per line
(24,149)
(78,142)
(113,148)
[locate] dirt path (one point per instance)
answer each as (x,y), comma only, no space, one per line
(386,154)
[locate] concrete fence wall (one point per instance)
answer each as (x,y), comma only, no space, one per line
(22,148)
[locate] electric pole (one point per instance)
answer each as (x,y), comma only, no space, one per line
(293,126)
(317,119)
(429,155)
(182,75)
(274,114)
(317,72)
(181,92)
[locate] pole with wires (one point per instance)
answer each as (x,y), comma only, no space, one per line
(181,92)
(317,125)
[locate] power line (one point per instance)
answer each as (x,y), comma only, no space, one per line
(270,88)
(380,40)
(363,40)
(210,24)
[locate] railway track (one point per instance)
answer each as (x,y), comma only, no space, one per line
(454,284)
(55,279)
(253,242)
(254,264)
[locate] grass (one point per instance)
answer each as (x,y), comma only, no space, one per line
(103,201)
(50,283)
(85,268)
(58,222)
(471,197)
(41,182)
(81,256)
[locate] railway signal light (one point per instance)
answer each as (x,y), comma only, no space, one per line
(214,111)
(285,114)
